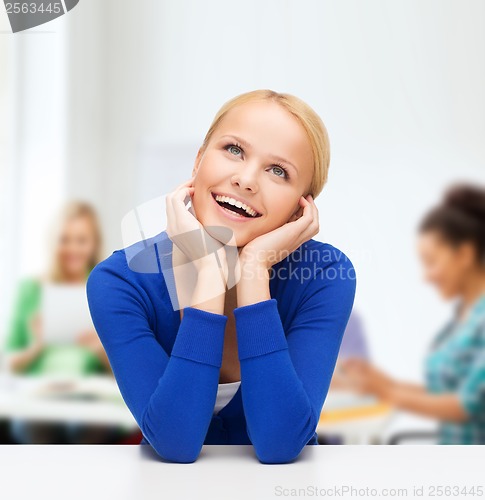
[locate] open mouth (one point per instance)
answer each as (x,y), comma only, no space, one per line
(237,211)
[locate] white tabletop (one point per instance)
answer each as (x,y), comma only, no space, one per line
(229,472)
(30,397)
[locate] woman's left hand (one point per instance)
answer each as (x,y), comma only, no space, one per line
(359,375)
(270,248)
(89,339)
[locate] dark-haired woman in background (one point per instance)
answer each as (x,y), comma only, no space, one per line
(452,249)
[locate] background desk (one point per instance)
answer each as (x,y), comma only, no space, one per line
(20,398)
(227,472)
(353,419)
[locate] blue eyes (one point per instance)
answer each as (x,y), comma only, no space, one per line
(231,147)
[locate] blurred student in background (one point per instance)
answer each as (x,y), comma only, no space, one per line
(452,249)
(354,345)
(75,248)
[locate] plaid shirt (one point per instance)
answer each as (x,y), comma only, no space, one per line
(456,363)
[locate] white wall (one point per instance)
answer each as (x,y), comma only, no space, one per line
(33,144)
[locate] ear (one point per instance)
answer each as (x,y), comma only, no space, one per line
(296,215)
(468,253)
(197,161)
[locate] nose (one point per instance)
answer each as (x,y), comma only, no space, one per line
(247,178)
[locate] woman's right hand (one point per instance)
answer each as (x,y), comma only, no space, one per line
(19,360)
(363,377)
(189,236)
(36,328)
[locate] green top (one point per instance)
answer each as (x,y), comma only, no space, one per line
(53,359)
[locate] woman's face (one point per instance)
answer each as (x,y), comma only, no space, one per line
(246,159)
(76,246)
(445,266)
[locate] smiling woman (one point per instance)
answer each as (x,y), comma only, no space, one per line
(451,245)
(273,338)
(273,148)
(75,247)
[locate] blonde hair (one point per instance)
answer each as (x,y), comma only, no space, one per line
(308,118)
(69,211)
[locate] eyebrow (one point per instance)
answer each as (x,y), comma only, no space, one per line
(247,145)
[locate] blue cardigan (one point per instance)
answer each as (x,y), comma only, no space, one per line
(167,370)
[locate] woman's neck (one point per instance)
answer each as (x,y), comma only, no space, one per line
(473,290)
(75,278)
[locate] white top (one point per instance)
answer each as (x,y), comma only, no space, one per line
(225,392)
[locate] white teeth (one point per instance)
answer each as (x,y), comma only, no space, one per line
(237,203)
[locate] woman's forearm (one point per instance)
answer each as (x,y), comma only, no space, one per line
(210,283)
(413,387)
(286,372)
(17,361)
(171,393)
(253,286)
(414,398)
(103,357)
(207,291)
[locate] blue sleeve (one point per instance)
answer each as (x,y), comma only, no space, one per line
(285,379)
(171,397)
